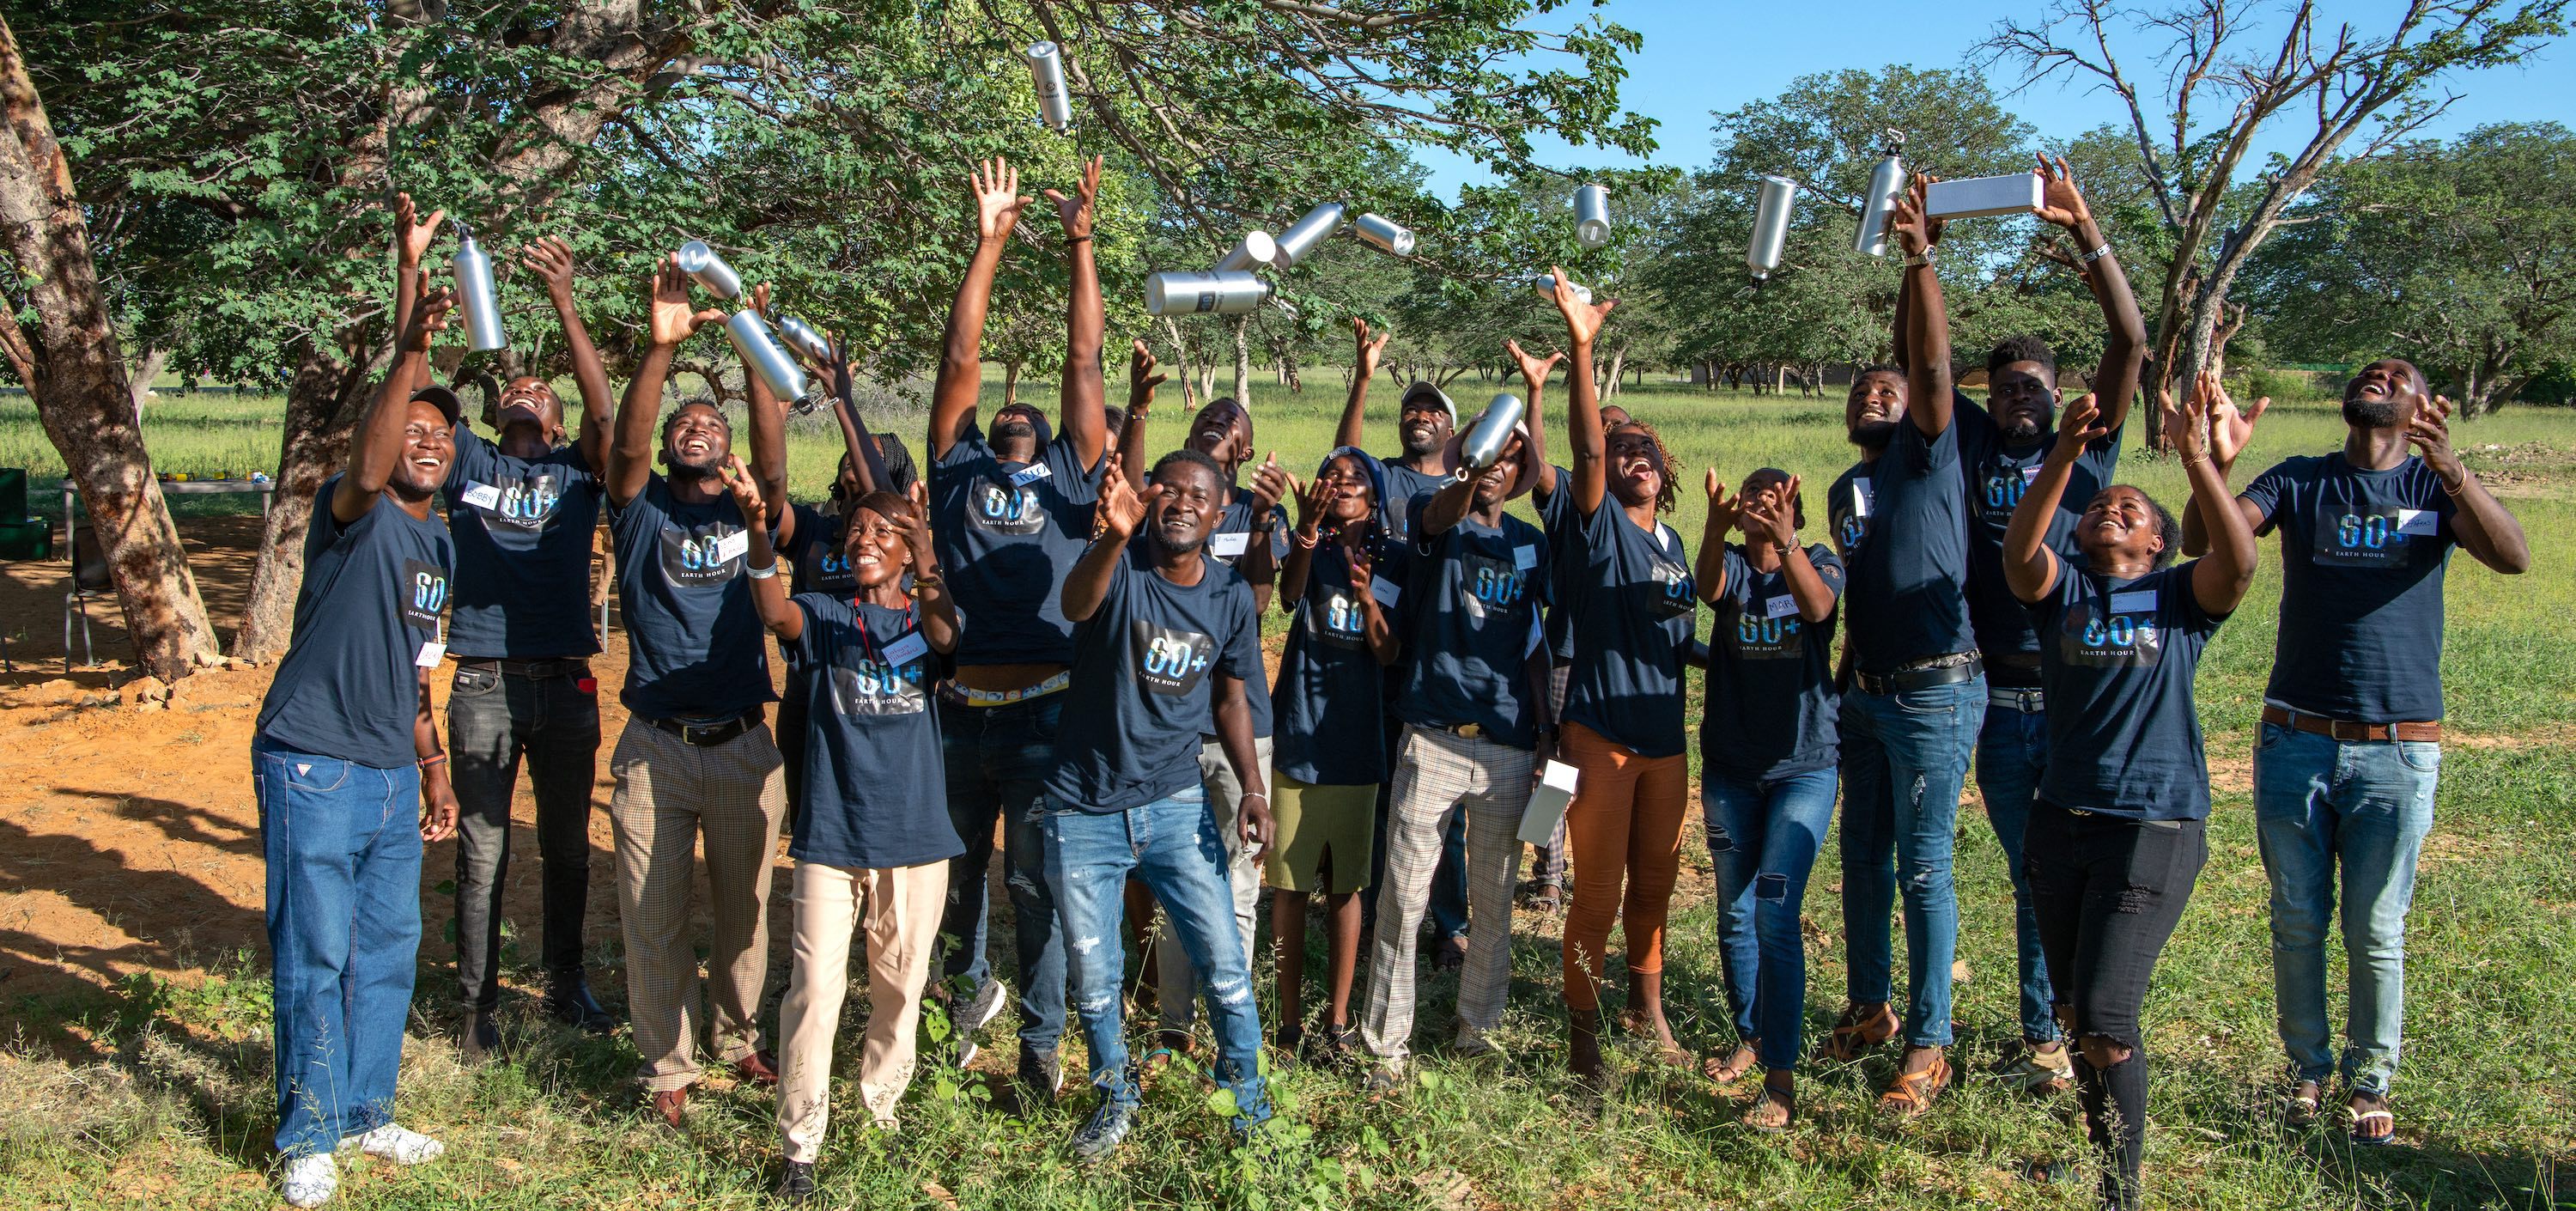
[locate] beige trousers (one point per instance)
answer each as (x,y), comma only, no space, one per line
(670,795)
(900,908)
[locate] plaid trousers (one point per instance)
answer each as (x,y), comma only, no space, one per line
(668,794)
(1438,773)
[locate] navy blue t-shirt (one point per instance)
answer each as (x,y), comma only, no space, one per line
(1849,506)
(1007,533)
(694,642)
(1403,486)
(1633,608)
(1560,622)
(817,562)
(1229,541)
(349,686)
(1996,478)
(1330,698)
(522,528)
(2362,556)
(1908,598)
(1144,683)
(2116,660)
(1770,708)
(876,790)
(1472,621)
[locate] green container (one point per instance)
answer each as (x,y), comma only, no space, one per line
(13,494)
(27,539)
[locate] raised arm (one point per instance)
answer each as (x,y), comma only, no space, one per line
(1583,407)
(2124,342)
(2229,431)
(768,590)
(1141,381)
(411,248)
(1120,509)
(2486,530)
(961,369)
(551,260)
(630,453)
(1259,563)
(1927,362)
(1078,404)
(929,588)
(377,446)
(2220,578)
(1353,431)
(1301,543)
(1708,572)
(2030,568)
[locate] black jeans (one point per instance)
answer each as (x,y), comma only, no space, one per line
(2108,892)
(493,720)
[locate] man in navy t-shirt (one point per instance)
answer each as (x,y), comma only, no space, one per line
(347,767)
(2350,752)
(696,761)
(523,510)
(1169,637)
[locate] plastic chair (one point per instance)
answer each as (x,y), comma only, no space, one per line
(89,579)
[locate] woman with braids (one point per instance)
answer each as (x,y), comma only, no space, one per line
(1338,583)
(2118,834)
(1626,582)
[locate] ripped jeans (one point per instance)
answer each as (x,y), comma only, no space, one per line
(1904,758)
(1170,843)
(1762,842)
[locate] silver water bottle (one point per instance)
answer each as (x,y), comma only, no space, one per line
(476,297)
(1255,248)
(1886,184)
(700,262)
(1770,226)
(1592,216)
(1046,67)
(1384,234)
(1303,235)
(1489,434)
(805,338)
(761,354)
(1181,292)
(1545,285)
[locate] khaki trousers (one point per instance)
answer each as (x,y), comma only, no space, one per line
(669,796)
(900,908)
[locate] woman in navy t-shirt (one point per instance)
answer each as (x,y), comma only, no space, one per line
(1327,710)
(873,842)
(2116,838)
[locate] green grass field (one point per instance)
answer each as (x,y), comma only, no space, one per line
(2487,1098)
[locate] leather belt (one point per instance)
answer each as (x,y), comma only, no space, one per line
(2352,732)
(708,735)
(567,666)
(2028,702)
(1919,677)
(958,695)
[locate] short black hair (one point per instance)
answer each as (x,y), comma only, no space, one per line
(2167,529)
(694,402)
(1190,456)
(2024,348)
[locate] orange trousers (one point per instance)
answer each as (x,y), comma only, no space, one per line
(1623,828)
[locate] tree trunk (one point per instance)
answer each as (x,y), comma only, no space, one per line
(1243,360)
(1617,370)
(1010,382)
(140,376)
(80,386)
(320,416)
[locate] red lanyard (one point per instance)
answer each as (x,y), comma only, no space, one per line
(867,643)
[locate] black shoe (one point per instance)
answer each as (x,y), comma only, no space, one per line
(569,1000)
(1097,1138)
(1041,1073)
(796,1184)
(482,1034)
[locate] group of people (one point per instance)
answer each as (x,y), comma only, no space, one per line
(1050,642)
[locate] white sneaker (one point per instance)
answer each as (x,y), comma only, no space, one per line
(400,1145)
(309,1181)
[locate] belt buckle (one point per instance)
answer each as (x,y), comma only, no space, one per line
(1470,731)
(2347,731)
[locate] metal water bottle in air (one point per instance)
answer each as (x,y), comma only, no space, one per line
(805,338)
(1233,292)
(1489,435)
(700,262)
(1303,235)
(1255,248)
(1886,184)
(1592,216)
(477,299)
(1770,226)
(1545,285)
(1046,67)
(761,354)
(1384,234)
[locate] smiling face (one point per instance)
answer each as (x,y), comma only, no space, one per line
(2121,527)
(1496,483)
(697,440)
(2024,402)
(1348,497)
(2384,395)
(429,448)
(1876,404)
(877,552)
(1424,425)
(1015,433)
(1636,466)
(530,401)
(1222,431)
(1193,497)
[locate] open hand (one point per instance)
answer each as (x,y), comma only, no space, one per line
(1075,212)
(1141,379)
(1770,516)
(1370,351)
(1270,484)
(673,320)
(1122,508)
(2060,202)
(2081,426)
(1913,231)
(1310,503)
(428,320)
(916,531)
(411,237)
(1534,371)
(1582,320)
(738,480)
(1723,510)
(551,260)
(2430,433)
(997,198)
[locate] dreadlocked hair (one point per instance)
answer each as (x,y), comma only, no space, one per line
(1672,466)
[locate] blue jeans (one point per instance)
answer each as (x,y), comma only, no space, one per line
(343,847)
(997,761)
(2012,752)
(2319,805)
(1904,758)
(1762,841)
(1172,845)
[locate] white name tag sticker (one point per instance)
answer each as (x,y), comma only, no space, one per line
(907,649)
(1863,495)
(1781,606)
(1229,546)
(2421,522)
(733,546)
(1524,557)
(2029,474)
(482,496)
(2134,601)
(431,653)
(1029,474)
(1384,590)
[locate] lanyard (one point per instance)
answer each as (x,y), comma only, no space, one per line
(868,647)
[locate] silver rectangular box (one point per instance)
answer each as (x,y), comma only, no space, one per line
(1976,197)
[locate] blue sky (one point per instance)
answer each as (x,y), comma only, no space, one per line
(1704,55)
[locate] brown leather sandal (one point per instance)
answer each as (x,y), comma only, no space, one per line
(1772,1110)
(1855,1034)
(1725,1070)
(1911,1093)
